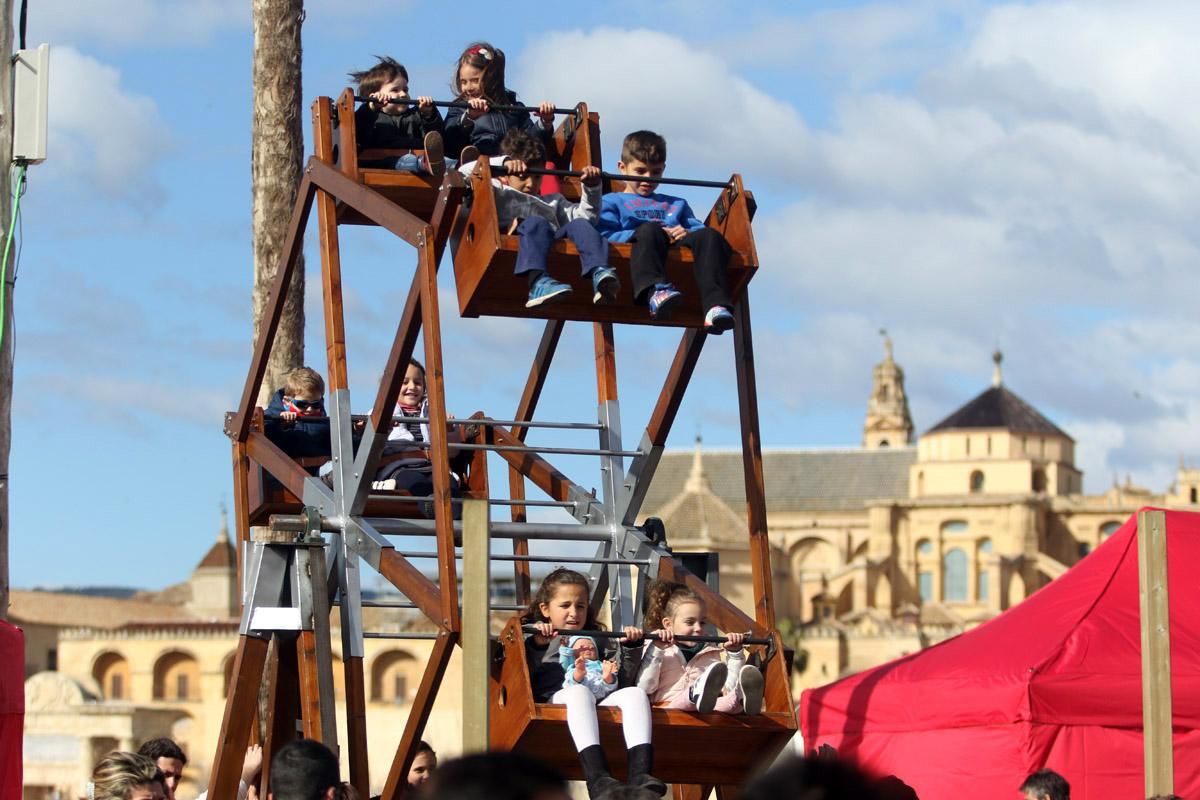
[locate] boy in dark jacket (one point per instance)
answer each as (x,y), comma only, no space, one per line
(653,223)
(295,419)
(390,122)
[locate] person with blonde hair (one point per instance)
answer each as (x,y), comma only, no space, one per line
(127,776)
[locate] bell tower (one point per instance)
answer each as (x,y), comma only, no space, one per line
(888,422)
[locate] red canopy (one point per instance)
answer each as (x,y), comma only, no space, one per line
(12,708)
(1053,682)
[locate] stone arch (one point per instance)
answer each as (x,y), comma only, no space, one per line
(1039,480)
(976,484)
(1107,529)
(954,571)
(808,561)
(883,591)
(395,675)
(177,676)
(111,671)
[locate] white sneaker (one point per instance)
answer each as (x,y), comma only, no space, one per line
(706,690)
(384,485)
(750,687)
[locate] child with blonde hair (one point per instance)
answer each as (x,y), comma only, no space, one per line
(691,675)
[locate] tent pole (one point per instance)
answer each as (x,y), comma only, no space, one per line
(1156,653)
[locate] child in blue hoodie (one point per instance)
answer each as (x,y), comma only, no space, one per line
(295,418)
(653,222)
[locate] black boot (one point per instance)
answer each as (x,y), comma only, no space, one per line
(595,771)
(641,761)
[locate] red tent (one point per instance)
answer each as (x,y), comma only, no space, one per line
(1053,682)
(12,708)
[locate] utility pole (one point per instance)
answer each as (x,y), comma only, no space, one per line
(6,347)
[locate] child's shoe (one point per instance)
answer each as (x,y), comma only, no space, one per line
(385,485)
(664,298)
(604,285)
(435,155)
(750,687)
(718,320)
(469,153)
(706,690)
(546,290)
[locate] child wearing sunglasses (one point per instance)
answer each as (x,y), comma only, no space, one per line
(295,419)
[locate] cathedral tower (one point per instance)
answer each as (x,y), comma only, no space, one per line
(888,423)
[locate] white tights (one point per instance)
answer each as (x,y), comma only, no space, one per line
(581,714)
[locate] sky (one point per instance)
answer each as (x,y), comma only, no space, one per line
(968,175)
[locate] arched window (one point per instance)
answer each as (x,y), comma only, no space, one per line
(954,566)
(976,482)
(176,677)
(921,484)
(1108,529)
(1039,480)
(953,527)
(925,585)
(395,675)
(111,672)
(1192,495)
(884,443)
(924,548)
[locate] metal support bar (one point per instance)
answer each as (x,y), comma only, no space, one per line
(419,554)
(653,637)
(420,636)
(1156,653)
(463,104)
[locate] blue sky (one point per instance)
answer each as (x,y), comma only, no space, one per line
(968,175)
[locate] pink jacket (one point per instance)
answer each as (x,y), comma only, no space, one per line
(664,674)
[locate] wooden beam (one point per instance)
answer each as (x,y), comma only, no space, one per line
(721,612)
(368,202)
(476,625)
(331,262)
(525,408)
(418,714)
(412,583)
(541,472)
(1156,653)
(283,704)
(756,497)
(240,707)
(356,724)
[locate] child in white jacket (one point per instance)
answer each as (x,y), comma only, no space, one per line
(691,676)
(540,220)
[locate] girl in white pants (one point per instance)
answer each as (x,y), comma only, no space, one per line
(560,606)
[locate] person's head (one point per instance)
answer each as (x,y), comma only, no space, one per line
(1046,784)
(496,776)
(521,145)
(1165,797)
(304,769)
(584,647)
(423,765)
(643,157)
(480,73)
(170,760)
(388,76)
(412,391)
(674,607)
(127,776)
(563,601)
(304,392)
(810,778)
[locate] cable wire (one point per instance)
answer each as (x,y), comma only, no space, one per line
(18,192)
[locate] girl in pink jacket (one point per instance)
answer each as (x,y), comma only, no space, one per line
(688,675)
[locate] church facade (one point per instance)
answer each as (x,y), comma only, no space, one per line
(886,548)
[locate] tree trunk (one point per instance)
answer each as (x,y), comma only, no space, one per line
(6,347)
(276,162)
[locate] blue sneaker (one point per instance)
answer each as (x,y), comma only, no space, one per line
(605,285)
(546,290)
(718,320)
(665,298)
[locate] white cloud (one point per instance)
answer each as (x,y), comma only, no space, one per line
(691,96)
(147,24)
(102,135)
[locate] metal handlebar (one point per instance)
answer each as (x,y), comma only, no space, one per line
(500,169)
(412,101)
(650,635)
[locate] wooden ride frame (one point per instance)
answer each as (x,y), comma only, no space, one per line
(345,194)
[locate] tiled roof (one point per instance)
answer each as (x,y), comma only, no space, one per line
(796,480)
(77,610)
(999,408)
(221,554)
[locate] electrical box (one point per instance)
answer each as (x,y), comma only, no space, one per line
(31,89)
